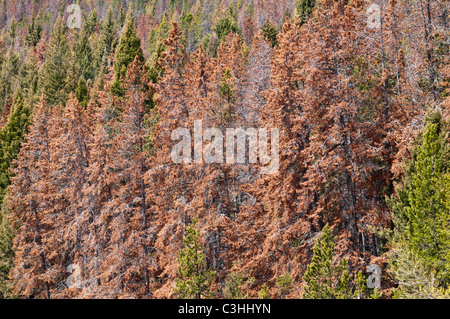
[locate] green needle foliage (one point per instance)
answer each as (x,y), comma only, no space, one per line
(304,9)
(227,24)
(53,77)
(196,278)
(420,206)
(323,279)
(11,136)
(129,47)
(6,250)
(270,32)
(285,284)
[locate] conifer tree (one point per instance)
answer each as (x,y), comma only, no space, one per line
(270,32)
(226,24)
(28,202)
(84,53)
(6,249)
(304,9)
(8,74)
(420,205)
(128,48)
(190,26)
(70,158)
(11,136)
(81,92)
(28,78)
(131,218)
(324,280)
(34,31)
(196,278)
(107,42)
(53,76)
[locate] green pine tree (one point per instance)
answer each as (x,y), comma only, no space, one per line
(28,78)
(107,42)
(53,77)
(323,279)
(270,32)
(304,9)
(34,31)
(129,47)
(8,77)
(196,278)
(83,51)
(11,136)
(227,24)
(420,206)
(6,250)
(82,93)
(192,32)
(285,284)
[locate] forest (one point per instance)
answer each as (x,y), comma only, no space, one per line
(114,182)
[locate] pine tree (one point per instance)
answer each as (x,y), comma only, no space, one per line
(190,26)
(107,42)
(8,74)
(34,31)
(69,158)
(324,280)
(304,9)
(196,278)
(226,24)
(29,207)
(53,76)
(6,249)
(82,93)
(83,51)
(129,47)
(11,136)
(270,32)
(131,218)
(420,205)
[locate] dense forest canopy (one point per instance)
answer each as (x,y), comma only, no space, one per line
(350,99)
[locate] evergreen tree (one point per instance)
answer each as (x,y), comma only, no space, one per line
(232,288)
(6,249)
(190,26)
(304,9)
(129,47)
(270,32)
(8,76)
(106,43)
(82,93)
(323,279)
(11,137)
(131,218)
(226,24)
(28,78)
(53,76)
(196,278)
(29,202)
(91,22)
(34,31)
(420,206)
(84,52)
